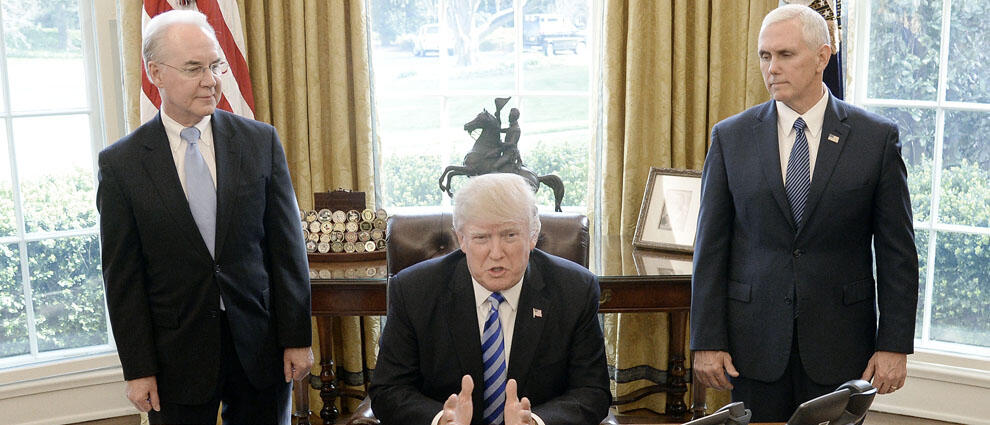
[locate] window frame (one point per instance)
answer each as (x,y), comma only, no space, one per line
(592,95)
(104,110)
(862,21)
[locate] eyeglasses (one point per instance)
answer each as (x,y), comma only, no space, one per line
(216,68)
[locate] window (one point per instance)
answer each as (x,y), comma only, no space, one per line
(51,290)
(924,65)
(438,63)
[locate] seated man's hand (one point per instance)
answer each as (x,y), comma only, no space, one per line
(711,368)
(517,412)
(458,408)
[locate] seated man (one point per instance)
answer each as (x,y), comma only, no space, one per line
(496,332)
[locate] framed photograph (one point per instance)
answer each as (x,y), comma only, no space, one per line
(668,217)
(656,263)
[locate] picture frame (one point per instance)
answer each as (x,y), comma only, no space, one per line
(668,216)
(656,263)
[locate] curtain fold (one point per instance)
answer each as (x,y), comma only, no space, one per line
(672,70)
(309,70)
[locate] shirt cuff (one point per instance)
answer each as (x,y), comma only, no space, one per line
(436,419)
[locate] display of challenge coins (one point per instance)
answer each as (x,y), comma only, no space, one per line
(341,229)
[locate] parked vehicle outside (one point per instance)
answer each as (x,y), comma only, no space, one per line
(551,33)
(428,40)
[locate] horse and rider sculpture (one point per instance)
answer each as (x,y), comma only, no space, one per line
(490,154)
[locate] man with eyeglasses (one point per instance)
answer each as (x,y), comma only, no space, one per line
(205,269)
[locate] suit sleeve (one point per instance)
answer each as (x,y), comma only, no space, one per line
(709,327)
(896,252)
(286,255)
(394,390)
(124,277)
(588,396)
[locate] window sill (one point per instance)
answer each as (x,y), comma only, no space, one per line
(68,391)
(943,387)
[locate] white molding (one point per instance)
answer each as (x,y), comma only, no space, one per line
(942,387)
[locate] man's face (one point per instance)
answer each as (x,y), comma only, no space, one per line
(187,96)
(792,71)
(497,253)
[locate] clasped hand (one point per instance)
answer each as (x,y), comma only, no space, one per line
(458,408)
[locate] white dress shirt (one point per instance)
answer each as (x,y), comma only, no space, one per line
(506,317)
(814,119)
(179,146)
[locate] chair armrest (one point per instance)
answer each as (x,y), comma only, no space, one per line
(363,414)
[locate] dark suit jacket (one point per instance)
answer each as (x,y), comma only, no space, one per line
(163,288)
(756,276)
(431,340)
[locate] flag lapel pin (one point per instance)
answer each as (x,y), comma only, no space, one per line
(833,138)
(537,313)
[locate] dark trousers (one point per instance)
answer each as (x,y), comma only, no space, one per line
(776,401)
(242,402)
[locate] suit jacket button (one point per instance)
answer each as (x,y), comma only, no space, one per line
(787,300)
(216,269)
(212,314)
(798,253)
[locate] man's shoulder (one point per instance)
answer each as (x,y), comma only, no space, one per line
(857,115)
(747,118)
(429,274)
(152,128)
(557,270)
(240,124)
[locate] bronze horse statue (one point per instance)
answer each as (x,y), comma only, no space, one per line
(487,149)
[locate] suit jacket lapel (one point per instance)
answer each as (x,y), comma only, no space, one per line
(768,149)
(828,153)
(228,172)
(528,329)
(160,166)
(462,318)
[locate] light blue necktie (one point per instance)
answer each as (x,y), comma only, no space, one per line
(493,355)
(200,191)
(798,173)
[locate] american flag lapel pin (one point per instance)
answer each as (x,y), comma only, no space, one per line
(537,313)
(833,138)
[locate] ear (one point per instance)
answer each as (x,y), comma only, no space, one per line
(823,54)
(154,71)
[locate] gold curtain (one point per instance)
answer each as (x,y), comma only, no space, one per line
(672,70)
(309,71)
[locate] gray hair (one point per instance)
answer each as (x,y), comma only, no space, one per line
(496,197)
(814,29)
(157,27)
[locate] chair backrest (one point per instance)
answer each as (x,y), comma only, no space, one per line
(417,237)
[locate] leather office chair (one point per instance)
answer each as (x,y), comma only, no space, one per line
(417,237)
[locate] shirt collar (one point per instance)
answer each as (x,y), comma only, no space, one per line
(814,118)
(172,129)
(511,295)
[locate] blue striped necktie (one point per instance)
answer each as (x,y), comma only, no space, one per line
(200,191)
(798,173)
(493,355)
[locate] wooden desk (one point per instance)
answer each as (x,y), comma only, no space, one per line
(631,281)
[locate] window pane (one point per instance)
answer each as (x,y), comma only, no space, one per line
(68,292)
(555,41)
(921,241)
(966,169)
(56,172)
(485,60)
(406,40)
(44,55)
(961,303)
(904,39)
(418,185)
(968,56)
(8,226)
(13,313)
(555,140)
(917,131)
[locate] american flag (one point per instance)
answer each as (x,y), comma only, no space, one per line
(223,16)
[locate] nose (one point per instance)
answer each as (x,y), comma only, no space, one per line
(207,78)
(773,66)
(497,250)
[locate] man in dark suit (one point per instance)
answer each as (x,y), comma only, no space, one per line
(799,196)
(206,275)
(469,333)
